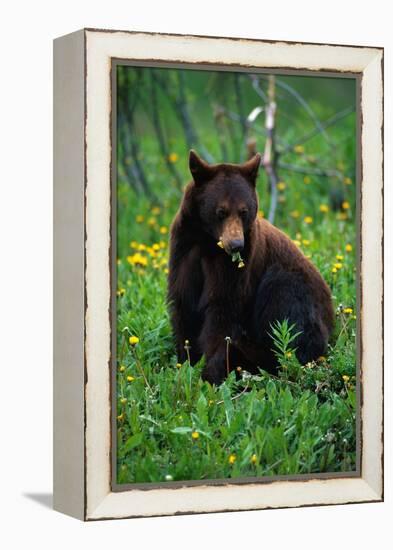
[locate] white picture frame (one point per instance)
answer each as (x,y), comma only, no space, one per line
(82,258)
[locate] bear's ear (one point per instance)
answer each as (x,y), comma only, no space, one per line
(200,170)
(251,167)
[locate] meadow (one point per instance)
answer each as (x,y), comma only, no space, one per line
(171,426)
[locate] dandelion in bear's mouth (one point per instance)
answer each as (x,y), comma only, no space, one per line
(236,257)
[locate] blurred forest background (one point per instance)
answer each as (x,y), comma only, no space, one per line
(170,424)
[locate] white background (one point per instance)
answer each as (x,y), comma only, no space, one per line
(26,273)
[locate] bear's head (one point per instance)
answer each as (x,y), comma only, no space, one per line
(226,199)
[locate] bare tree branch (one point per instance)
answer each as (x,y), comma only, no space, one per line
(269,160)
(159,132)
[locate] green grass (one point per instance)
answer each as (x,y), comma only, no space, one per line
(173,426)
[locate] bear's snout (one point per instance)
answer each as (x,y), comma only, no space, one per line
(232,235)
(236,245)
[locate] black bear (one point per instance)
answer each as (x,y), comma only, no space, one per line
(211,297)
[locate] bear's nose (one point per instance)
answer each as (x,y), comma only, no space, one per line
(236,245)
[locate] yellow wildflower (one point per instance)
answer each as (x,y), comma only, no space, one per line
(339,257)
(152,221)
(348,310)
(347,181)
(121,291)
(163,230)
(133,340)
(137,259)
(307,180)
(139,218)
(345,378)
(232,459)
(130,378)
(156,247)
(155,210)
(166,271)
(341,165)
(122,368)
(123,400)
(133,244)
(254,459)
(306,242)
(288,354)
(334,270)
(295,214)
(173,157)
(195,435)
(281,186)
(308,219)
(345,205)
(342,216)
(178,365)
(298,149)
(297,242)
(338,265)
(261,214)
(324,208)
(118,261)
(120,417)
(141,247)
(348,248)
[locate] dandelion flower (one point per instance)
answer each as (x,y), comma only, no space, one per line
(121,291)
(130,378)
(123,400)
(134,340)
(345,205)
(178,365)
(348,248)
(295,214)
(339,257)
(120,417)
(261,214)
(173,157)
(232,459)
(163,230)
(323,208)
(195,435)
(254,459)
(306,242)
(338,265)
(281,186)
(137,259)
(166,271)
(152,221)
(347,181)
(348,310)
(299,149)
(155,210)
(122,368)
(308,219)
(345,378)
(334,270)
(139,218)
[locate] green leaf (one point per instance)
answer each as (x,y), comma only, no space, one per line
(132,442)
(181,430)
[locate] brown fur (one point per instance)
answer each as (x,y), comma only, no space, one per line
(210,298)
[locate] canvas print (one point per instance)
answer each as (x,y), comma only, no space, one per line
(235,275)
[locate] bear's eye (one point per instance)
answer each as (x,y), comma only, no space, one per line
(243,213)
(221,213)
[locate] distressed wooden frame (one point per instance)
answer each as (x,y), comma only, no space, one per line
(82,290)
